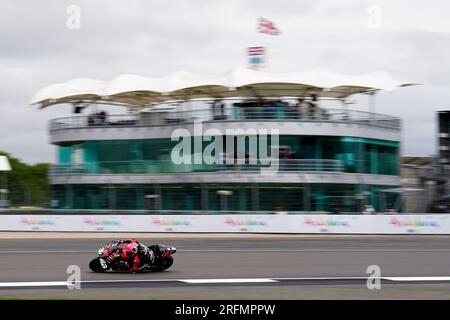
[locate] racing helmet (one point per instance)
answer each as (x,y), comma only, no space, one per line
(131,248)
(143,249)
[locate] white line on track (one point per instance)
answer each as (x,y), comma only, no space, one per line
(215,281)
(251,280)
(319,278)
(35,284)
(417,278)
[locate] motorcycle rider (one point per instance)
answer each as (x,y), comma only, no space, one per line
(136,255)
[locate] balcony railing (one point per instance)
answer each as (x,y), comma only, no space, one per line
(156,117)
(158,166)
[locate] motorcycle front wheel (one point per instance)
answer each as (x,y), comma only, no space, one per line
(165,264)
(96,265)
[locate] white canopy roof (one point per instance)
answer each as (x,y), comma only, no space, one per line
(138,91)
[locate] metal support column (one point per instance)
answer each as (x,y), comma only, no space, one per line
(255,197)
(112,197)
(204,196)
(307,198)
(158,202)
(69,197)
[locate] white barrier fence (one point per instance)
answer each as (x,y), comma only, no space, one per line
(340,224)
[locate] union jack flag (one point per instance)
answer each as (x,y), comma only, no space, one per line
(266,26)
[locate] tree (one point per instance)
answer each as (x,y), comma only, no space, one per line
(27,184)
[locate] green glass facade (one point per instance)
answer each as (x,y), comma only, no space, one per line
(358,155)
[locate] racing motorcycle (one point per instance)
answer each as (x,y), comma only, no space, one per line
(163,260)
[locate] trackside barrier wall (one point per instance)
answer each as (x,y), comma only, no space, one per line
(339,224)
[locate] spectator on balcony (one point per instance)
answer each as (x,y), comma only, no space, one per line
(285,154)
(302,108)
(91,120)
(312,110)
(102,117)
(292,111)
(97,118)
(324,114)
(219,110)
(222,110)
(264,103)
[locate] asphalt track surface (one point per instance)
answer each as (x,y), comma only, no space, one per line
(238,268)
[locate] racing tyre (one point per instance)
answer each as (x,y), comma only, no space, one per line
(165,264)
(96,265)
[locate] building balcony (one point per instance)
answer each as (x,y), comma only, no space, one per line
(163,172)
(163,118)
(167,166)
(288,121)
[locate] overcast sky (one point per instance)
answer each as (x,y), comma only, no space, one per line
(410,40)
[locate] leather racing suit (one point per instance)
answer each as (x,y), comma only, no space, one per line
(132,254)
